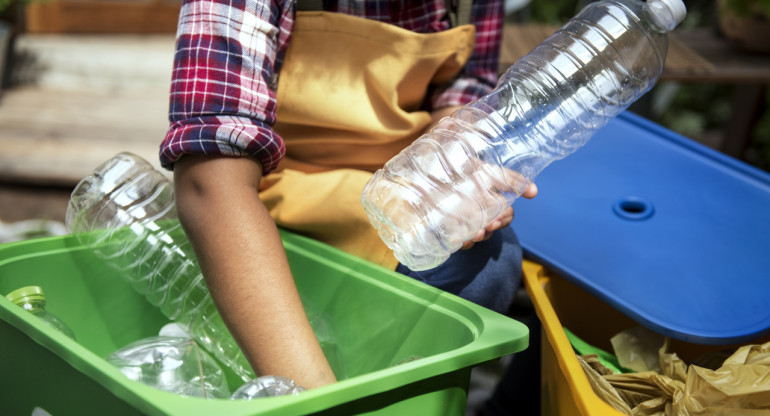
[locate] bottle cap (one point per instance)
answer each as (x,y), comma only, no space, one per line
(26,294)
(677,9)
(667,13)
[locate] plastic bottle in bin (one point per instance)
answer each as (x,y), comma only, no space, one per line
(173,364)
(456,179)
(32,299)
(125,212)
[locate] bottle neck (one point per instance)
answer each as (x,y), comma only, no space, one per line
(34,305)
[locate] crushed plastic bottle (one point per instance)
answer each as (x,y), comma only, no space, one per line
(455,180)
(173,364)
(32,299)
(267,386)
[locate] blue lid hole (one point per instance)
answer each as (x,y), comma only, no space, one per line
(634,208)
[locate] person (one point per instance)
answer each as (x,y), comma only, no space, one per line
(279,116)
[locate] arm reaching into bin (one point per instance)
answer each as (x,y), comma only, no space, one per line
(220,144)
(245,267)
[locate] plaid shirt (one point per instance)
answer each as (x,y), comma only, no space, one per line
(229,52)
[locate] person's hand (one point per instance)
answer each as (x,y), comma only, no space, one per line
(502,221)
(512,181)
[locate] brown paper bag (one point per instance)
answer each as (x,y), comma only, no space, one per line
(739,387)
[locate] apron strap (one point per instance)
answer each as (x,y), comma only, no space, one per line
(458,16)
(310,5)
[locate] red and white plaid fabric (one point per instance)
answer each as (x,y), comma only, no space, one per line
(228,55)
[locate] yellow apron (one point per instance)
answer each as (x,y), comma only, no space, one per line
(349,95)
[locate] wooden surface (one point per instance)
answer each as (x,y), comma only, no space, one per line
(103,16)
(55,138)
(87,98)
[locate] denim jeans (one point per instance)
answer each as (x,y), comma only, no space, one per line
(487,274)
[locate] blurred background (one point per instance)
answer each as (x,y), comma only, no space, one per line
(721,101)
(85,79)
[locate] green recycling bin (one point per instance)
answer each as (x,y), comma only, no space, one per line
(381,318)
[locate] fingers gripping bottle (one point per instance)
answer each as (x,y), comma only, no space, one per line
(456,179)
(125,212)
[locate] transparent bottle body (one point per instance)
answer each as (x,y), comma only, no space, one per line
(173,364)
(37,308)
(267,386)
(125,213)
(452,182)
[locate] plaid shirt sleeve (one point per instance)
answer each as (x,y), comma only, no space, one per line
(220,101)
(228,52)
(479,76)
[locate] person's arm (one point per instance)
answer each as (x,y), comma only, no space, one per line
(219,145)
(245,267)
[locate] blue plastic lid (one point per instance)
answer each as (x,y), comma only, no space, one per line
(669,232)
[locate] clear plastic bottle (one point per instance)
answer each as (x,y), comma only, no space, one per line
(172,364)
(267,386)
(125,212)
(456,179)
(32,299)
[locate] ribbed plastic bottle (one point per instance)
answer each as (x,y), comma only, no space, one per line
(125,212)
(32,299)
(456,179)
